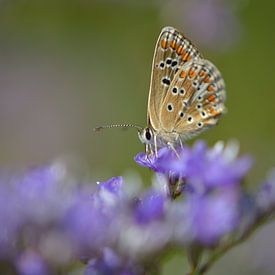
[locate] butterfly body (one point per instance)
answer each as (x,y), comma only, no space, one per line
(187,92)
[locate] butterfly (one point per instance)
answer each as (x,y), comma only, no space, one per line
(187,93)
(186,96)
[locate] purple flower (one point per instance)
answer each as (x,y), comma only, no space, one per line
(44,194)
(265,197)
(213,216)
(213,168)
(48,219)
(110,263)
(30,263)
(150,207)
(113,185)
(204,168)
(90,225)
(10,220)
(151,160)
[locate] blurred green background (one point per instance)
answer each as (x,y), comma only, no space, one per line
(68,66)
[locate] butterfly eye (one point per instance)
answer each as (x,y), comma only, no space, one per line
(148,135)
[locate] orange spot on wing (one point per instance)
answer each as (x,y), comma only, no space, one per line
(185,56)
(202,73)
(211,98)
(210,88)
(183,74)
(214,112)
(207,79)
(173,44)
(192,73)
(164,44)
(180,50)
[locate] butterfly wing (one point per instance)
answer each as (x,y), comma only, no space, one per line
(172,51)
(195,99)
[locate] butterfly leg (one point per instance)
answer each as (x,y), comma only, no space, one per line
(155,145)
(179,141)
(147,149)
(173,149)
(181,144)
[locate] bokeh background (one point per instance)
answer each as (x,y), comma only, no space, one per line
(68,66)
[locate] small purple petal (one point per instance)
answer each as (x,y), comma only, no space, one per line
(150,207)
(112,185)
(152,162)
(146,160)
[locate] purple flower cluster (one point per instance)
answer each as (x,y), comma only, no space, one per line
(203,168)
(48,219)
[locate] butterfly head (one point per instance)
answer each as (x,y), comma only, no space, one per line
(146,135)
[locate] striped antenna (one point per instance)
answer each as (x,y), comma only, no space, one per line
(99,128)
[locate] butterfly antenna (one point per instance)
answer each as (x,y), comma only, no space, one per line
(124,126)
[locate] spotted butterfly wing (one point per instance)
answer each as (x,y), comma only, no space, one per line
(194,100)
(172,51)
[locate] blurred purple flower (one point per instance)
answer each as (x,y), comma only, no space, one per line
(212,217)
(44,194)
(30,263)
(207,168)
(113,185)
(150,207)
(10,221)
(90,224)
(110,263)
(265,197)
(48,219)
